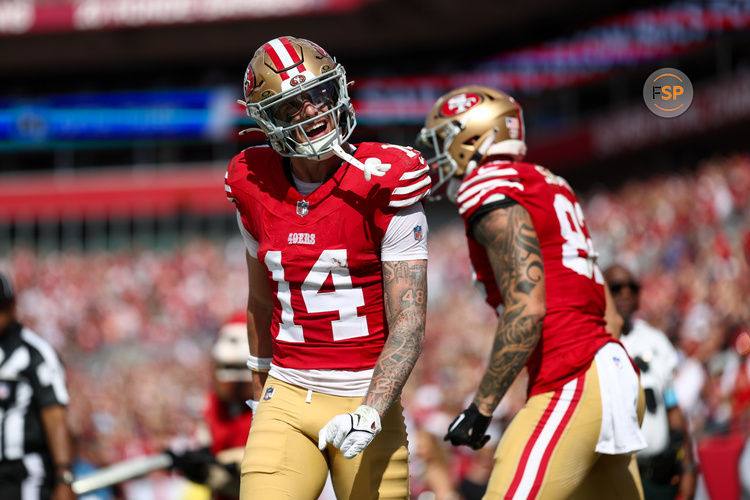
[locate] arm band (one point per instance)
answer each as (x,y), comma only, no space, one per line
(258,364)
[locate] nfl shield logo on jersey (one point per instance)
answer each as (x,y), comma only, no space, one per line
(418,235)
(268,394)
(302,208)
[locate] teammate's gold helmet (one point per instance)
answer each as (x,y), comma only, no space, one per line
(468,124)
(285,75)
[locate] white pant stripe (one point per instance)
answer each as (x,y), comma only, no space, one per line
(531,469)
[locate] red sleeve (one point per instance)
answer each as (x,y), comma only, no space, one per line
(230,178)
(237,186)
(408,180)
(487,185)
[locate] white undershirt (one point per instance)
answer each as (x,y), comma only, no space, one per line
(404,239)
(305,188)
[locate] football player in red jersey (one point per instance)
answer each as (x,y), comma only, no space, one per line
(227,418)
(533,256)
(336,253)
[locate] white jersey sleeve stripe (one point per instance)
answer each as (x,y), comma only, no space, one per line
(466,206)
(414,174)
(412,187)
(490,199)
(250,243)
(493,198)
(502,172)
(408,201)
(486,186)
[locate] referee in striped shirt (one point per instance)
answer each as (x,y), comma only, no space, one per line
(36,451)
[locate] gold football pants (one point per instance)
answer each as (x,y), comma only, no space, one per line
(548,450)
(282,459)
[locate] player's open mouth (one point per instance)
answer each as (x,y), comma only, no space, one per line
(317,129)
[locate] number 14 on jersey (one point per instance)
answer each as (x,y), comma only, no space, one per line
(345,298)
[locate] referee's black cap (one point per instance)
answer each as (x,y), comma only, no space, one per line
(6,292)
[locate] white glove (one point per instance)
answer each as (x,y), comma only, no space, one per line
(351,432)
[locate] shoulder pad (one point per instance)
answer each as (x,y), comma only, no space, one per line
(551,178)
(236,176)
(488,184)
(408,180)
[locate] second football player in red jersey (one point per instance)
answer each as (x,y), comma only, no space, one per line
(337,258)
(533,257)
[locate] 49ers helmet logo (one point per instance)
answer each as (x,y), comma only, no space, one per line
(459,103)
(249,81)
(297,79)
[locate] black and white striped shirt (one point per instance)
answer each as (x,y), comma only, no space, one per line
(31,378)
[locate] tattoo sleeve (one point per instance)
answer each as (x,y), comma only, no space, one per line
(405,296)
(511,243)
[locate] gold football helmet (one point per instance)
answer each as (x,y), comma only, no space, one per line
(297,93)
(468,124)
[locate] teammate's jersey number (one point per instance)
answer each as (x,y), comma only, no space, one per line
(578,251)
(345,298)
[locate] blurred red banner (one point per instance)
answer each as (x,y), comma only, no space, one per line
(18,17)
(129,193)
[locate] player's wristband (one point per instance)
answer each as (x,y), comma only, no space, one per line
(689,468)
(258,364)
(65,476)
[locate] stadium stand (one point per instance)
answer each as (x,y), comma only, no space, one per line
(115,227)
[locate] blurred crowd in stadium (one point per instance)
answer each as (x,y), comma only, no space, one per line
(685,235)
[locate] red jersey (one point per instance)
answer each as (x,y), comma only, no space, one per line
(227,431)
(574,325)
(322,251)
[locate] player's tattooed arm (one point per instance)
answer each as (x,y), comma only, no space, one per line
(509,237)
(405,296)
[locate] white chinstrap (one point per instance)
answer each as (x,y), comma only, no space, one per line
(371,166)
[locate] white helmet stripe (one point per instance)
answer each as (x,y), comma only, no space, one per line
(282,53)
(293,54)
